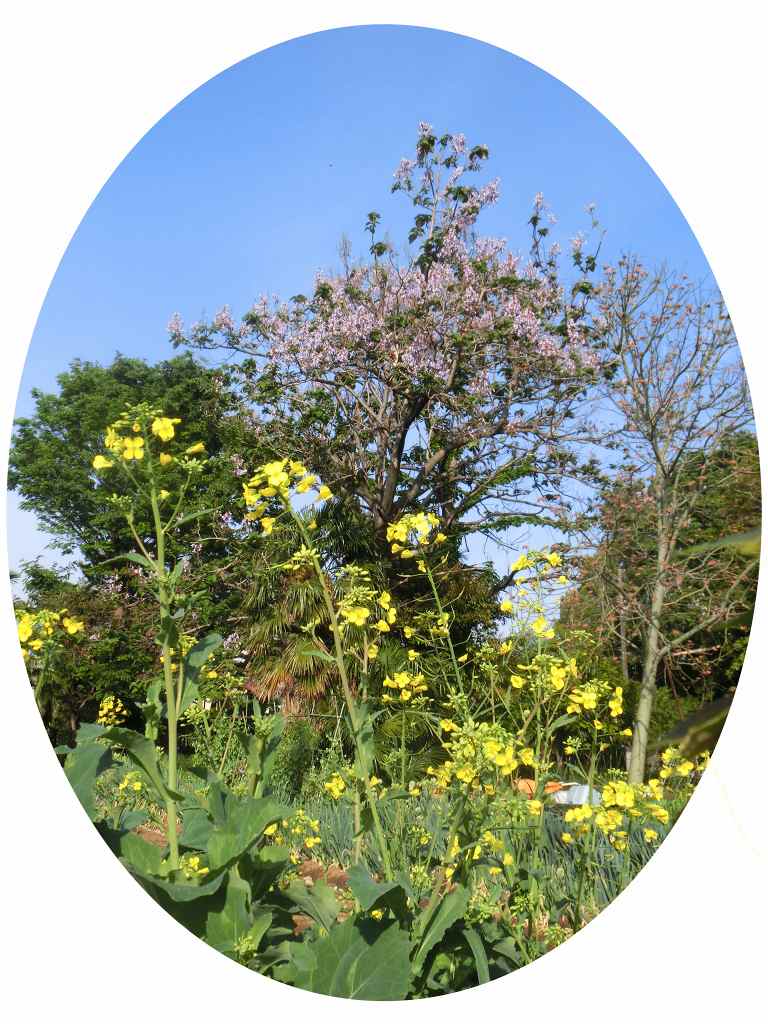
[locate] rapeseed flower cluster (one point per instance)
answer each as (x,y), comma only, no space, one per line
(621,805)
(414,532)
(335,786)
(299,832)
(674,764)
(480,755)
(192,866)
(127,439)
(112,711)
(405,685)
(361,607)
(279,479)
(45,628)
(130,783)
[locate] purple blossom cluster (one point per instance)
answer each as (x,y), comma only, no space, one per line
(409,322)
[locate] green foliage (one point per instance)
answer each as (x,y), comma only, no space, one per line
(430,790)
(359,959)
(52,451)
(294,758)
(115,654)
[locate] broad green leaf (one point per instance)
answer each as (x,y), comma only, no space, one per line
(153,709)
(89,731)
(139,854)
(358,959)
(246,821)
(261,750)
(319,902)
(194,661)
(143,753)
(262,868)
(259,928)
(82,767)
(216,801)
(225,927)
(197,656)
(190,693)
(559,723)
(373,895)
(449,910)
(366,747)
(178,891)
(509,949)
(132,819)
(197,826)
(271,748)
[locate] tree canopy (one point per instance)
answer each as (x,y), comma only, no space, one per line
(51,456)
(444,380)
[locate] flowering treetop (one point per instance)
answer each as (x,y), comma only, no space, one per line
(428,379)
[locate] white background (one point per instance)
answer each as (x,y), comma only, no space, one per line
(82,82)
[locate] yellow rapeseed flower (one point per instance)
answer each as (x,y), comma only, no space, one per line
(356,615)
(335,785)
(163,427)
(304,485)
(542,629)
(133,448)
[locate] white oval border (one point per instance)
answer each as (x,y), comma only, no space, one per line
(683,82)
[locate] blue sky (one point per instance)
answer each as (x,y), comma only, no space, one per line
(247,186)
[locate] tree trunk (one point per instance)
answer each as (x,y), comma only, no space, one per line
(623,629)
(647,687)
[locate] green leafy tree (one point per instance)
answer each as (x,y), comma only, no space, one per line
(114,654)
(50,463)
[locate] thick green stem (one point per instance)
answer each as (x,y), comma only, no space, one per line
(170,694)
(402,749)
(352,709)
(584,860)
(356,819)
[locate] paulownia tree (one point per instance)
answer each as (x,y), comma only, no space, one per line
(445,380)
(680,392)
